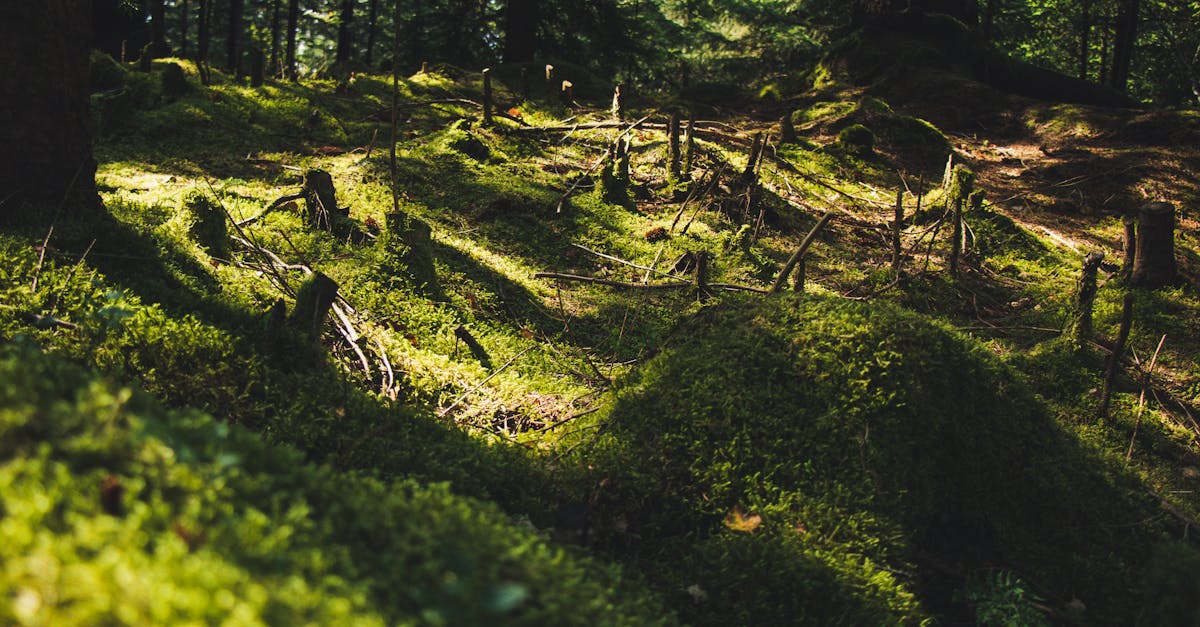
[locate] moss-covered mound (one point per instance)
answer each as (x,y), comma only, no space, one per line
(811,458)
(116,511)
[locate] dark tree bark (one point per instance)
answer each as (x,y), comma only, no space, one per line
(1085,34)
(520,30)
(184,16)
(203,38)
(966,11)
(44,49)
(234,43)
(1154,261)
(276,15)
(987,21)
(293,16)
(158,28)
(1085,299)
(345,43)
(1123,43)
(372,22)
(116,28)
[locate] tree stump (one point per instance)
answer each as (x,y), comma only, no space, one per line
(787,130)
(208,225)
(314,299)
(618,105)
(1154,262)
(320,199)
(410,241)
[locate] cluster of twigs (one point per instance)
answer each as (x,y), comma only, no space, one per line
(343,322)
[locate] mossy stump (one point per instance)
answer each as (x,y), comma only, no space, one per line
(208,225)
(314,299)
(411,241)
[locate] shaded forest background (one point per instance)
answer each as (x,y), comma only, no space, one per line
(1148,48)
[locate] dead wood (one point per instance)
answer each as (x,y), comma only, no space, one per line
(799,254)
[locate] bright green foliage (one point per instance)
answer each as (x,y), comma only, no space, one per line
(117,511)
(1001,599)
(857,433)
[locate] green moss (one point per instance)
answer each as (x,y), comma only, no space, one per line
(823,111)
(857,140)
(118,511)
(857,433)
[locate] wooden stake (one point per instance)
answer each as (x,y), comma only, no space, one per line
(1129,251)
(897,228)
(956,236)
(487,96)
(1118,352)
(673,156)
(618,105)
(1085,299)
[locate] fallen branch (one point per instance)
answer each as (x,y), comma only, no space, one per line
(610,283)
(279,202)
(628,263)
(732,287)
(442,413)
(41,258)
(799,254)
(1142,399)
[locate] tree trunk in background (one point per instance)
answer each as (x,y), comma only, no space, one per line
(292,16)
(966,11)
(202,36)
(158,29)
(520,30)
(345,42)
(372,21)
(1085,32)
(416,32)
(1123,44)
(234,49)
(987,21)
(276,13)
(44,112)
(184,11)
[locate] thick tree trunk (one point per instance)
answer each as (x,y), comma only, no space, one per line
(966,11)
(158,28)
(292,17)
(987,21)
(234,43)
(1123,44)
(276,32)
(345,42)
(1085,33)
(47,161)
(184,15)
(1154,263)
(520,30)
(372,22)
(203,39)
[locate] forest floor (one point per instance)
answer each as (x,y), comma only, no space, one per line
(461,331)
